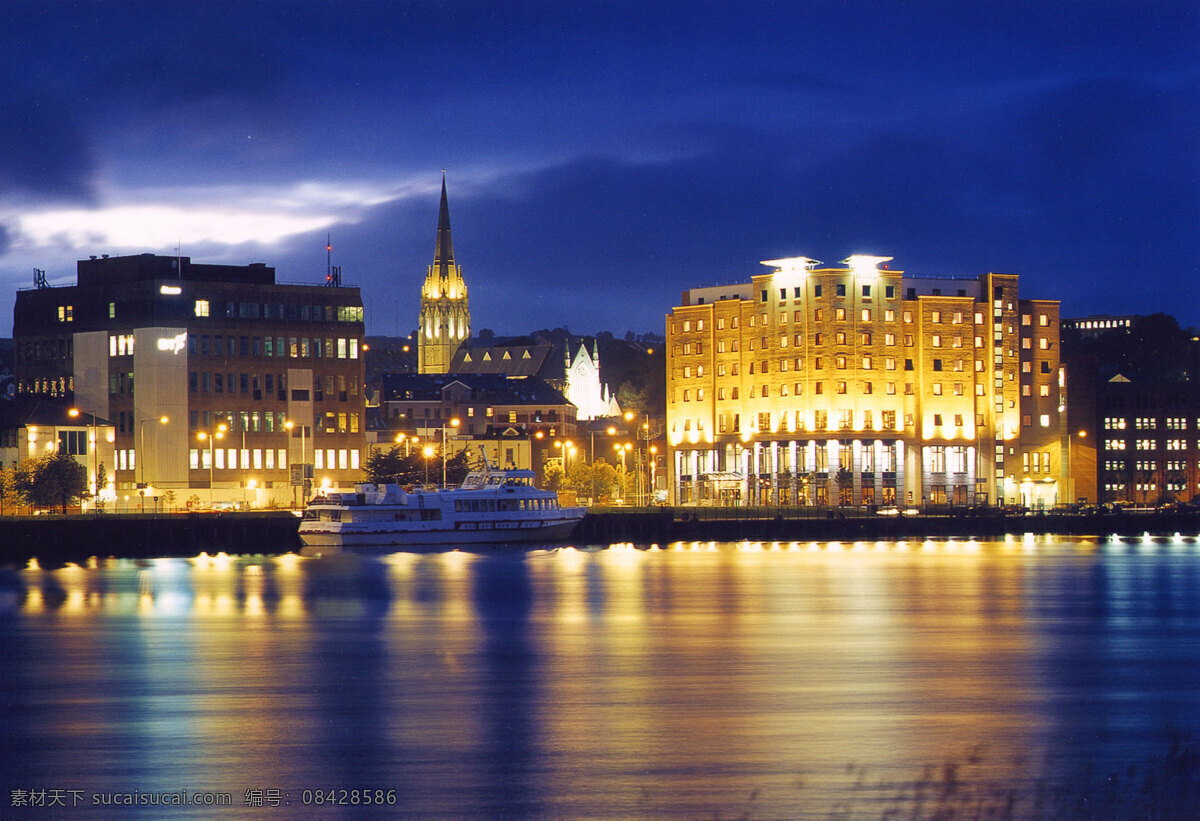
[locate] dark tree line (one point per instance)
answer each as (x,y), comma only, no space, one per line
(395,467)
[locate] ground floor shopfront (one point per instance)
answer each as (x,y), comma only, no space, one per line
(846,472)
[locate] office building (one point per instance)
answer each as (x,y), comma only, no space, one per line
(221,382)
(858,385)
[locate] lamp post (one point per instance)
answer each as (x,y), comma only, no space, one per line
(622,448)
(290,424)
(202,436)
(653,457)
(454,423)
(141,457)
(92,445)
(428,454)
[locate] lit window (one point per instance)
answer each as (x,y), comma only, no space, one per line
(201,307)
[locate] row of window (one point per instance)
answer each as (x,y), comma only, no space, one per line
(1148,423)
(268,459)
(273,346)
(1148,444)
(339,387)
(271,310)
(1121,465)
(838,387)
(841,314)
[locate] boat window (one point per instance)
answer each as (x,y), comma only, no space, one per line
(431,514)
(458,505)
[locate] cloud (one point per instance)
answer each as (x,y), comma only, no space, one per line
(43,151)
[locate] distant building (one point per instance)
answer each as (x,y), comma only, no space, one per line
(1148,447)
(516,419)
(1098,324)
(571,365)
(857,385)
(34,428)
(270,374)
(445,319)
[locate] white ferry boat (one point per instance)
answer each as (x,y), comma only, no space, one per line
(489,506)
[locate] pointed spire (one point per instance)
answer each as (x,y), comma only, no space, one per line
(443,254)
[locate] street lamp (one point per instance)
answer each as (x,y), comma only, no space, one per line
(622,449)
(289,424)
(141,456)
(92,444)
(653,466)
(202,436)
(454,423)
(428,454)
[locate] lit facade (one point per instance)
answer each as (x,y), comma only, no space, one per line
(275,369)
(445,318)
(857,385)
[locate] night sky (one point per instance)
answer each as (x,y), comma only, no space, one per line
(602,157)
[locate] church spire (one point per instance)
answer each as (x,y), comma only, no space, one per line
(443,254)
(445,319)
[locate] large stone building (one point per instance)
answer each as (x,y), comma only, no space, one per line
(445,319)
(857,385)
(253,377)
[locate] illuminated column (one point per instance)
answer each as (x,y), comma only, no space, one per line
(774,472)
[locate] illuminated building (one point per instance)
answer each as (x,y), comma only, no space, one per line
(503,415)
(213,349)
(857,385)
(565,361)
(445,319)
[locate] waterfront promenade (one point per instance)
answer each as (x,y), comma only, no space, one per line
(72,538)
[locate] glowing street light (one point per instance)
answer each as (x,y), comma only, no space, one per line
(141,456)
(428,454)
(202,436)
(454,423)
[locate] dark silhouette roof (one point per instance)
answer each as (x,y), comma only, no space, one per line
(495,388)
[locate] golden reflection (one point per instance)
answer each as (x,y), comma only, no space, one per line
(34,601)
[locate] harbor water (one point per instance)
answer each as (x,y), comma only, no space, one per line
(1042,676)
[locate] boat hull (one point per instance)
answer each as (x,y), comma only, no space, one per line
(329,534)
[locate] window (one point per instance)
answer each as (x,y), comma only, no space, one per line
(841,289)
(935,316)
(201,308)
(839,314)
(866,315)
(937,388)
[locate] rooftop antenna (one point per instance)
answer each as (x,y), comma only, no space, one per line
(39,278)
(333,273)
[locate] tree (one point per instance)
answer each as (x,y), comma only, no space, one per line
(9,498)
(631,398)
(56,479)
(553,477)
(457,467)
(384,466)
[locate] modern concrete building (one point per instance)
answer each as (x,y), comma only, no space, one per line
(857,385)
(255,379)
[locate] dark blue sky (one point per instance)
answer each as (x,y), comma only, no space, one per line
(604,156)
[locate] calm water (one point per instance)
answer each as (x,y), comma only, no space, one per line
(765,680)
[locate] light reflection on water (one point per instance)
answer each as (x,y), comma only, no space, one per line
(774,679)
